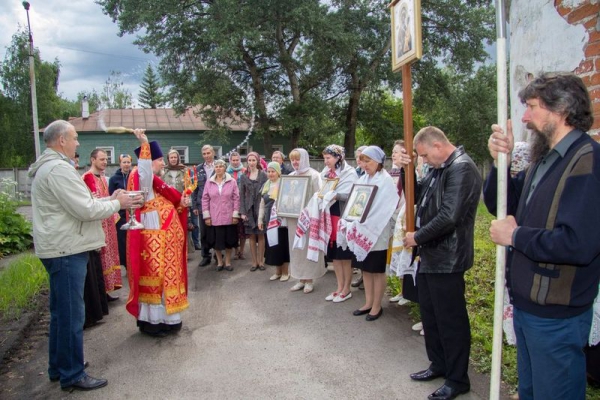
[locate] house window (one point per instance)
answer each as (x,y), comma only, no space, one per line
(183,153)
(244,150)
(218,151)
(276,147)
(110,153)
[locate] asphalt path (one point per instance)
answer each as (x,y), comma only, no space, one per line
(244,337)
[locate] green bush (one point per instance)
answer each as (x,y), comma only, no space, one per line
(20,283)
(15,230)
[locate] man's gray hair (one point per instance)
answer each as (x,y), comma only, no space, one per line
(280,153)
(209,147)
(55,130)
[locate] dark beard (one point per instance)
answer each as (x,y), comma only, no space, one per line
(539,143)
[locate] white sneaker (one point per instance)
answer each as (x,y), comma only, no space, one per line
(297,286)
(396,298)
(331,296)
(274,277)
(284,278)
(418,326)
(422,332)
(340,297)
(308,287)
(403,301)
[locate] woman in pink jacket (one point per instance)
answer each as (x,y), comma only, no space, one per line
(221,205)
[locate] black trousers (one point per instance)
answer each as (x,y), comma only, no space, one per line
(203,240)
(122,239)
(446,325)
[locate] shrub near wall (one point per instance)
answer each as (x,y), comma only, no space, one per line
(15,230)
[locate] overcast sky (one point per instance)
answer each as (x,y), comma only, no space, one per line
(83,39)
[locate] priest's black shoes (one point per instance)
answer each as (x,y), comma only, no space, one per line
(445,392)
(426,375)
(87,383)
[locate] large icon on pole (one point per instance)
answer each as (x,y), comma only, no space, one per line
(406,32)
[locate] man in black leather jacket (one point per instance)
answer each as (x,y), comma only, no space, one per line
(445,224)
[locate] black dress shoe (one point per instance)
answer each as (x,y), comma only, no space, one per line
(371,317)
(87,383)
(445,392)
(361,312)
(205,261)
(196,247)
(426,375)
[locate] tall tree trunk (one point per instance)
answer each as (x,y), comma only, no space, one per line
(357,87)
(286,59)
(352,114)
(262,120)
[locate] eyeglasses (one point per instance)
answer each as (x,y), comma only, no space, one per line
(123,156)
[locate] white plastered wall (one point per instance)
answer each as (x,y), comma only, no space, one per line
(540,41)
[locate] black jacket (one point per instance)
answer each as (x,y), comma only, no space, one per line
(447,217)
(118,181)
(197,193)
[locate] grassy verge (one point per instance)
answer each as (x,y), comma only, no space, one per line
(20,282)
(480,305)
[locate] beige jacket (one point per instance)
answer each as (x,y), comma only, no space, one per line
(66,218)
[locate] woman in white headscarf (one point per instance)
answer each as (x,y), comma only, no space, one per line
(300,267)
(369,240)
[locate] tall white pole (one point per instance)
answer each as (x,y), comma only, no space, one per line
(34,111)
(502,105)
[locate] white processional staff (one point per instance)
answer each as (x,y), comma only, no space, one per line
(502,105)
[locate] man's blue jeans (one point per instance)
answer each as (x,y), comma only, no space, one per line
(67,315)
(550,358)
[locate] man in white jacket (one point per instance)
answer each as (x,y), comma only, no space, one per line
(66,225)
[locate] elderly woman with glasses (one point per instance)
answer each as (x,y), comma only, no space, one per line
(221,212)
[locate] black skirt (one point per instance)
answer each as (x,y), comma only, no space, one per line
(279,254)
(373,263)
(333,251)
(337,253)
(222,237)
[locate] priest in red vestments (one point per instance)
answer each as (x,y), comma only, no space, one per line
(109,254)
(157,255)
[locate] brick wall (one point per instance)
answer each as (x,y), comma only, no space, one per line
(586,14)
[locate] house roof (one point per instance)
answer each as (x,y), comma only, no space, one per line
(159,119)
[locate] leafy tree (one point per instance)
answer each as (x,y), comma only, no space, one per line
(114,95)
(292,62)
(381,119)
(17,123)
(464,107)
(150,96)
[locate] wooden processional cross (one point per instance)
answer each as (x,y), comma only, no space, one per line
(407,48)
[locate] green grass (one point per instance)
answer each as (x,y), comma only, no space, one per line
(480,305)
(20,283)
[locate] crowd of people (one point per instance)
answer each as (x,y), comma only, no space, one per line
(351,218)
